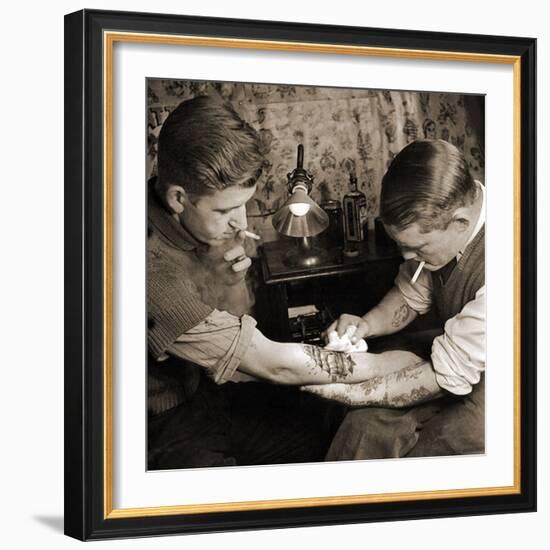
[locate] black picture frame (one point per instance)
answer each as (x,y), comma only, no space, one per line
(87,514)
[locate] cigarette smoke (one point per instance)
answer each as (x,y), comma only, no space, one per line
(218,284)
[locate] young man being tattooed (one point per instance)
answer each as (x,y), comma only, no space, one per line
(434,210)
(202,342)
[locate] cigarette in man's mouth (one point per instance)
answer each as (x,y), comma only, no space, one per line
(251,235)
(417,272)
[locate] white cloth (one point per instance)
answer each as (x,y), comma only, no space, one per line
(458,355)
(343,343)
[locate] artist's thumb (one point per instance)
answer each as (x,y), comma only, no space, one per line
(361,331)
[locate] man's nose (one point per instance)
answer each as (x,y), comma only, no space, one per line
(238,218)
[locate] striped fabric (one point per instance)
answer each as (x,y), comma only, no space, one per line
(218,344)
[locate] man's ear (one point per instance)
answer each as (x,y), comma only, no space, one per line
(176,199)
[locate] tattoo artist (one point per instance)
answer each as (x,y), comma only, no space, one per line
(435,211)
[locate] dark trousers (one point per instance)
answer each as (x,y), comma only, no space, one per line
(242,424)
(452,425)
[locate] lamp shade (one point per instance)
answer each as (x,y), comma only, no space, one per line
(300,216)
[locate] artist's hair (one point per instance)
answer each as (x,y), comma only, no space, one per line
(425,183)
(204,146)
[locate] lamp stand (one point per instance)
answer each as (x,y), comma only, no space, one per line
(304,254)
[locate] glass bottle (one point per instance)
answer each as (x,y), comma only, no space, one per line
(355,218)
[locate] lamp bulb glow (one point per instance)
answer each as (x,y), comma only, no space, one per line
(299,208)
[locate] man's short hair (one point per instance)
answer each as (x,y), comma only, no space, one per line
(425,183)
(205,146)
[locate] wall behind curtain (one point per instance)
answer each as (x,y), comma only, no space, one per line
(343,131)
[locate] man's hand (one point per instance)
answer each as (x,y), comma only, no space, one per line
(344,322)
(238,258)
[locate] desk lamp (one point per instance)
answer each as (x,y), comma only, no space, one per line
(301,217)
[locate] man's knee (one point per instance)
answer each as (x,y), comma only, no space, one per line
(371,433)
(458,429)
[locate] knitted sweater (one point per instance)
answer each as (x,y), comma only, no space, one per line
(186,280)
(174,303)
(466,279)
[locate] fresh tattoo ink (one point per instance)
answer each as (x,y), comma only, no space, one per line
(336,364)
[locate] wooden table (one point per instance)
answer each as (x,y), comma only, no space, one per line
(340,284)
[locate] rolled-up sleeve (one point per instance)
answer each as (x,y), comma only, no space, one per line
(219,344)
(458,355)
(418,295)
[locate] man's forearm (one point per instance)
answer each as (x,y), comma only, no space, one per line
(313,365)
(406,387)
(302,364)
(289,363)
(403,388)
(391,315)
(306,364)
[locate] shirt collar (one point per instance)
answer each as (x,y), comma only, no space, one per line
(480,221)
(165,223)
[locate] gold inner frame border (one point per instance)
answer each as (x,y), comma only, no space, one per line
(109,40)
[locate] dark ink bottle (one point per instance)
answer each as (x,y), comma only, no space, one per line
(355,218)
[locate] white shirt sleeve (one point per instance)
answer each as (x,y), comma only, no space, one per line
(458,355)
(418,295)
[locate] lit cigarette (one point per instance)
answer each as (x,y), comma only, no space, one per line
(251,235)
(417,272)
(248,234)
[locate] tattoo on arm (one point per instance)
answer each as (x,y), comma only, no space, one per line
(336,364)
(400,316)
(415,396)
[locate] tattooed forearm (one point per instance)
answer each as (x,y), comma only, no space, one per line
(400,316)
(408,386)
(336,364)
(407,399)
(403,388)
(410,372)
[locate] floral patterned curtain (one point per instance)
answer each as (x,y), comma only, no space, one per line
(343,131)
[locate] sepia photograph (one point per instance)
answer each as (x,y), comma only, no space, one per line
(281,237)
(315,279)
